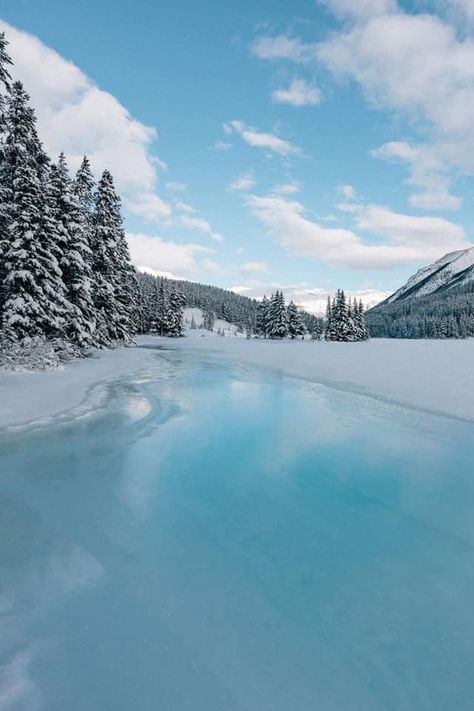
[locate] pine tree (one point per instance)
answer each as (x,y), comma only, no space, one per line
(295,322)
(113,275)
(75,255)
(5,194)
(262,317)
(34,299)
(176,304)
(277,317)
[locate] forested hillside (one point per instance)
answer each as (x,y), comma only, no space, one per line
(445,314)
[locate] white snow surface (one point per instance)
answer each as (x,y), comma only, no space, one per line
(436,376)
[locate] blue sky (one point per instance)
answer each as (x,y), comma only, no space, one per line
(304,145)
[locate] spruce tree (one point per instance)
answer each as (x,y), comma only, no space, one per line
(34,299)
(113,275)
(75,255)
(277,316)
(176,304)
(262,317)
(296,326)
(5,195)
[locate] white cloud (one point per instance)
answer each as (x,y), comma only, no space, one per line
(419,66)
(199,224)
(162,256)
(436,199)
(299,93)
(426,168)
(411,230)
(283,47)
(243,182)
(427,174)
(261,139)
(254,268)
(183,206)
(286,189)
(348,192)
(402,239)
(77,117)
(149,206)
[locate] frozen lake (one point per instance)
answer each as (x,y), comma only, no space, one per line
(207,537)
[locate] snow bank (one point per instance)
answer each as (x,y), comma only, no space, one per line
(220,324)
(436,376)
(32,396)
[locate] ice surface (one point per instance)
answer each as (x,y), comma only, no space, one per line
(250,542)
(432,375)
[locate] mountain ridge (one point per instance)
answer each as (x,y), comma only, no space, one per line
(452,270)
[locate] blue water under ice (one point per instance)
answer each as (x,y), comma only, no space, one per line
(214,538)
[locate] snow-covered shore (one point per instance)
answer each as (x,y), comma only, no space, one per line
(33,396)
(436,376)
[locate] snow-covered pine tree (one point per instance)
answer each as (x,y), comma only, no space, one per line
(75,255)
(83,188)
(113,275)
(277,316)
(342,327)
(158,307)
(262,317)
(360,326)
(296,326)
(176,304)
(34,300)
(162,308)
(5,194)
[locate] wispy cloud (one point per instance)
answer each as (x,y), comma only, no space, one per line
(261,139)
(194,222)
(254,268)
(283,47)
(418,65)
(401,239)
(164,256)
(299,93)
(243,182)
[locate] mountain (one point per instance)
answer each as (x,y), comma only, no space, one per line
(453,270)
(436,302)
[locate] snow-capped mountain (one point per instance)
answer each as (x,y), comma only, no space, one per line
(454,269)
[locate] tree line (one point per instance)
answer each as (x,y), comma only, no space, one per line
(444,314)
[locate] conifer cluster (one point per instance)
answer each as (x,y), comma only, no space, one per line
(345,319)
(276,320)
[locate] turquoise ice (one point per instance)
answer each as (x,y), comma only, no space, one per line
(213,538)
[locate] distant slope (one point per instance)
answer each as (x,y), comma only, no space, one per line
(445,313)
(453,270)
